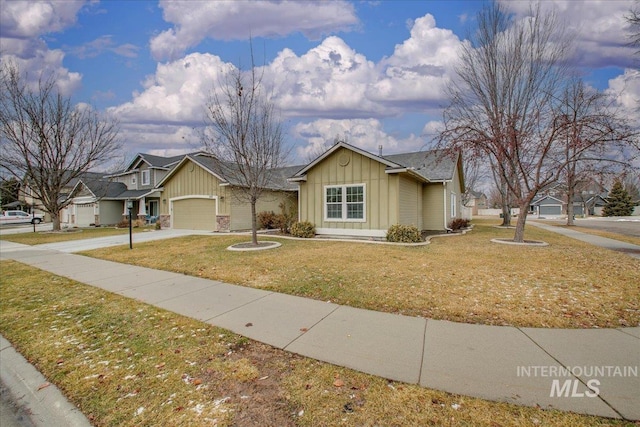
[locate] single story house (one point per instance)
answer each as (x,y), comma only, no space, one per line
(547,206)
(348,191)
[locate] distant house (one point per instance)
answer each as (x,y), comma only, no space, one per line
(349,191)
(547,207)
(95,202)
(476,201)
(589,197)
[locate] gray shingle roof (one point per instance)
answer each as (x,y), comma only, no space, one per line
(103,188)
(277,179)
(433,165)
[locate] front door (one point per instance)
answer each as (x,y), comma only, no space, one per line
(153,208)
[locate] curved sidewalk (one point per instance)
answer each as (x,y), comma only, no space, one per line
(586,371)
(604,242)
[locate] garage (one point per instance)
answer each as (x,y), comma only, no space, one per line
(550,210)
(194,214)
(85,215)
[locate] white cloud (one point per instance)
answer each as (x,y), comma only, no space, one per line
(101,44)
(229,20)
(625,90)
(599,28)
(21,23)
(329,80)
(26,19)
(367,134)
(420,67)
(159,139)
(176,93)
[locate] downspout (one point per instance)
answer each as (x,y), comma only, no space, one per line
(444,200)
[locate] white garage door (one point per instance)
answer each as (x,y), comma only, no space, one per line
(84,215)
(194,214)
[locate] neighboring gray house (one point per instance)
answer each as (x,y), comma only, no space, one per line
(547,207)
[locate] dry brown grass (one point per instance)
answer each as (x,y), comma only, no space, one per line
(126,363)
(568,284)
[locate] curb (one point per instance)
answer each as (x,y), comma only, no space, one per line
(45,407)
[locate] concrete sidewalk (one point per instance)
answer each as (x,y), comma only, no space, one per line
(520,365)
(604,242)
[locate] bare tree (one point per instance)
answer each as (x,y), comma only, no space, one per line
(475,174)
(244,133)
(501,102)
(594,135)
(46,141)
(633,18)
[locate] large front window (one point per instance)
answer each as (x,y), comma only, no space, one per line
(345,203)
(146,177)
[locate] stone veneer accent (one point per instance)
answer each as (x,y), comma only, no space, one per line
(165,221)
(223,222)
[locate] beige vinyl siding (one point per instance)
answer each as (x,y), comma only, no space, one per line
(410,202)
(241,209)
(381,197)
(110,212)
(432,205)
(192,180)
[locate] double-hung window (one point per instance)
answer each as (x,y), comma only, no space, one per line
(345,203)
(146,177)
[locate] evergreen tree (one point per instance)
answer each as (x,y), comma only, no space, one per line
(619,202)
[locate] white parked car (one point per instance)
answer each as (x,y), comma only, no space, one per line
(19,217)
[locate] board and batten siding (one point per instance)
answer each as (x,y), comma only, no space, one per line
(241,209)
(410,204)
(432,199)
(110,212)
(193,180)
(345,167)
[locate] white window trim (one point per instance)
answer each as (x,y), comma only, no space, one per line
(145,174)
(344,203)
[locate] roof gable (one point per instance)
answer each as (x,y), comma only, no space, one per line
(432,166)
(300,174)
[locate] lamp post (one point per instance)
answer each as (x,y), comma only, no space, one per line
(129,207)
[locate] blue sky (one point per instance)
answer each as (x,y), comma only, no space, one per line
(371,71)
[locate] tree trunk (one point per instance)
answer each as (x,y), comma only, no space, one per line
(506,215)
(55,219)
(254,223)
(570,215)
(506,206)
(522,219)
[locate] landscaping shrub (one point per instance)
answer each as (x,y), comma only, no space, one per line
(123,224)
(459,223)
(303,229)
(267,220)
(404,234)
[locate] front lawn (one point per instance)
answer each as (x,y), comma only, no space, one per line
(569,284)
(127,363)
(42,237)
